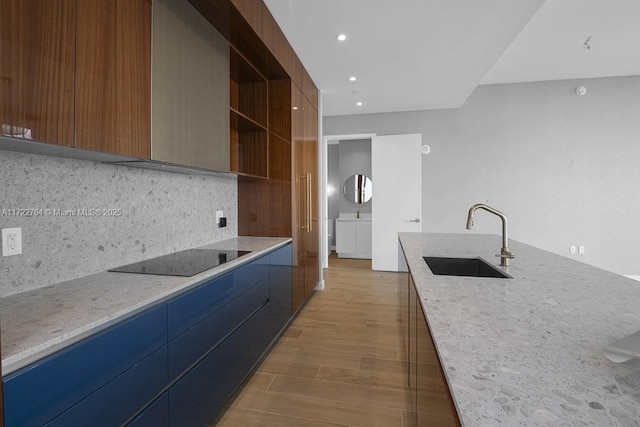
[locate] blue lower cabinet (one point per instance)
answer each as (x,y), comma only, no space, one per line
(201,393)
(36,394)
(120,399)
(172,365)
(281,280)
(186,349)
(155,415)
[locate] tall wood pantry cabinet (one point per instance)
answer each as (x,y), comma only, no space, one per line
(284,203)
(280,199)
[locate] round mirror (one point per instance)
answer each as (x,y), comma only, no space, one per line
(357,189)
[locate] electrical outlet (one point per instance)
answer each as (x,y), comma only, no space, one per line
(219,214)
(581,250)
(11,241)
(572,249)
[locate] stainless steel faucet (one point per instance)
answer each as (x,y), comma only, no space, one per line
(505,255)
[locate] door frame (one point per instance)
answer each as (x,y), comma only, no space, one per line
(324,175)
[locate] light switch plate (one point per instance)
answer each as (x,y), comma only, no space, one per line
(219,214)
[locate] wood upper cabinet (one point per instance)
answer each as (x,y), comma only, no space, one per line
(113,76)
(37,69)
(260,20)
(190,84)
(77,73)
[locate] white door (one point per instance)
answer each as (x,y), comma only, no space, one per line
(396,171)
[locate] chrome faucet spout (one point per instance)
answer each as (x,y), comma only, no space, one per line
(505,255)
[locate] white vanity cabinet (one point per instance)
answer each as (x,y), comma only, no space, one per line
(353,238)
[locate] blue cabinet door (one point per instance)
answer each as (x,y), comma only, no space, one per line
(121,398)
(281,281)
(156,415)
(41,391)
(201,393)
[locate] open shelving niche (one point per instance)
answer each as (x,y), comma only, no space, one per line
(260,122)
(248,118)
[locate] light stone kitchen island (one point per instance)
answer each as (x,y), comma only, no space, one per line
(527,351)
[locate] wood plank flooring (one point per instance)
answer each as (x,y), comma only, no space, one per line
(340,363)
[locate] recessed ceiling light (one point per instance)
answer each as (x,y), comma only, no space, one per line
(342,37)
(359,104)
(352,79)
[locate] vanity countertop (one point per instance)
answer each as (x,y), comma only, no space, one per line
(354,217)
(527,351)
(39,322)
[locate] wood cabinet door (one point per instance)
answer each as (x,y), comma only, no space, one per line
(432,402)
(434,405)
(304,129)
(311,168)
(299,197)
(37,66)
(113,76)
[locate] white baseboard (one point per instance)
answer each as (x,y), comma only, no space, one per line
(634,277)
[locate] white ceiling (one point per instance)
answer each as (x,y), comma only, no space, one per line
(431,54)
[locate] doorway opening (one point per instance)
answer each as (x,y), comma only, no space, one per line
(332,184)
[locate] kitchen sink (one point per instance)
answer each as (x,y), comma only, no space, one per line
(474,267)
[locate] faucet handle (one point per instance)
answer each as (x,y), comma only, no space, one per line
(506,253)
(509,255)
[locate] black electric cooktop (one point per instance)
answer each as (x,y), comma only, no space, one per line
(184,263)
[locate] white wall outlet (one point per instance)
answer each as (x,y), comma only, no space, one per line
(11,241)
(581,250)
(572,249)
(219,214)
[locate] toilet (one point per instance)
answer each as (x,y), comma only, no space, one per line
(330,223)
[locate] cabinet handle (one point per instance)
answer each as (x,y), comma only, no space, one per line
(415,220)
(309,227)
(302,205)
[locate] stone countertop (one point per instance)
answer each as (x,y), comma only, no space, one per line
(527,351)
(39,322)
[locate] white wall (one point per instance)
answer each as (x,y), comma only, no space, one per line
(564,169)
(333,179)
(161,212)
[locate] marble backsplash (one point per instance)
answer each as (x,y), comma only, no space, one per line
(80,217)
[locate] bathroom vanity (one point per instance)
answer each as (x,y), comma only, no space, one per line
(353,236)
